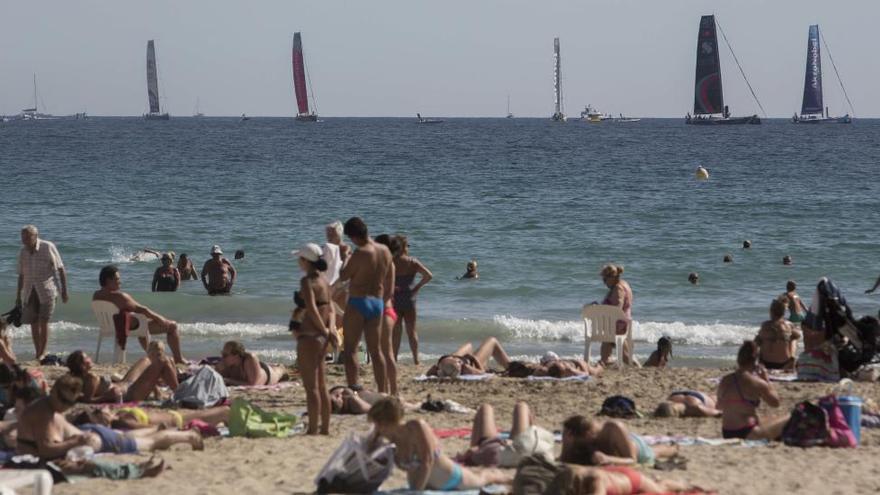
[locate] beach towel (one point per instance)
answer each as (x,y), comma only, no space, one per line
(690,441)
(356,466)
(248,420)
(783,377)
(204,389)
(452,432)
(818,365)
(581,378)
(275,386)
(462,378)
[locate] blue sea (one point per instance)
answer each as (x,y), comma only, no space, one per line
(541,205)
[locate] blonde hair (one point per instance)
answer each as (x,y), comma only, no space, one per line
(388,410)
(336,226)
(611,270)
(665,410)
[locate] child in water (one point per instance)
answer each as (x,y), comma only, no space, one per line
(662,355)
(470,271)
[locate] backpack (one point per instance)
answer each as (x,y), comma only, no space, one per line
(356,467)
(248,420)
(618,406)
(841,434)
(205,388)
(535,475)
(807,427)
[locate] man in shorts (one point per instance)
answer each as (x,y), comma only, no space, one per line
(40,273)
(218,274)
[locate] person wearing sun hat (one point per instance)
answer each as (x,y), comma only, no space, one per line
(218,274)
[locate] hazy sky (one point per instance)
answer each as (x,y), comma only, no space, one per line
(443,58)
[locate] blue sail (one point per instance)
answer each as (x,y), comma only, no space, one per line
(812,103)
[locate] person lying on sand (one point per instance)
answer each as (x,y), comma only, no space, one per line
(142,379)
(611,480)
(777,339)
(418,452)
(464,362)
(739,395)
(592,442)
(99,468)
(239,367)
(344,400)
(687,404)
(132,418)
(488,449)
(554,366)
(660,358)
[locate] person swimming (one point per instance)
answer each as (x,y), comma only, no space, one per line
(694,278)
(470,271)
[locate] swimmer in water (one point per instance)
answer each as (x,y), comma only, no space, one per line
(747,244)
(470,271)
(694,278)
(145,254)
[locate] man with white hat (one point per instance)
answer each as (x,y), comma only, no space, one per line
(218,274)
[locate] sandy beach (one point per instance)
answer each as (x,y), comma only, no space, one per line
(290,465)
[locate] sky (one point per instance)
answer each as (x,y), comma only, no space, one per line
(439,58)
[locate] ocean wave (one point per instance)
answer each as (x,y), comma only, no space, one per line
(200,329)
(680,333)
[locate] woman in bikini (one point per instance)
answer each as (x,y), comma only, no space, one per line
(313,335)
(406,268)
(344,400)
(186,269)
(142,379)
(619,294)
(417,451)
(592,442)
(133,418)
(390,318)
(611,480)
(466,362)
(488,449)
(240,367)
(687,404)
(739,395)
(777,339)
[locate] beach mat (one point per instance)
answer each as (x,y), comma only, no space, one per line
(452,432)
(462,378)
(688,441)
(582,378)
(277,386)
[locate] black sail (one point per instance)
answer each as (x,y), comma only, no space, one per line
(708,97)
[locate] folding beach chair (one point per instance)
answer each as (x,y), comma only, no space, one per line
(600,325)
(104,312)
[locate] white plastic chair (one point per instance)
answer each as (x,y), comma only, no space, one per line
(14,481)
(104,312)
(600,325)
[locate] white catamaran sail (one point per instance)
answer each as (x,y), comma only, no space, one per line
(558,114)
(153,85)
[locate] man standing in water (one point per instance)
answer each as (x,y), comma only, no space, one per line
(368,269)
(218,274)
(40,271)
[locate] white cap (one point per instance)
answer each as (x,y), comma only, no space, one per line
(549,357)
(310,251)
(216,250)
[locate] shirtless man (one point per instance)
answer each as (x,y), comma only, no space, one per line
(218,274)
(371,284)
(111,291)
(42,429)
(797,311)
(777,339)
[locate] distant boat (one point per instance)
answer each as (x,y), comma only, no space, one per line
(709,107)
(812,107)
(299,84)
(593,115)
(153,85)
(624,119)
(244,117)
(33,113)
(509,115)
(196,113)
(427,121)
(558,115)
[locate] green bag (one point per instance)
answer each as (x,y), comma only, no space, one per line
(248,420)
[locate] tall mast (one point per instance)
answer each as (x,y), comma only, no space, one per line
(557,77)
(35,92)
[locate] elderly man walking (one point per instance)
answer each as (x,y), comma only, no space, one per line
(40,272)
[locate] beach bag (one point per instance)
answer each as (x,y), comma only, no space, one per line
(534,475)
(818,365)
(205,388)
(619,406)
(248,420)
(13,316)
(534,440)
(807,427)
(841,434)
(356,467)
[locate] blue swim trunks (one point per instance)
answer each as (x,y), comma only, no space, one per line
(112,441)
(369,307)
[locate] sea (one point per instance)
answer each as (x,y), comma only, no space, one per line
(540,205)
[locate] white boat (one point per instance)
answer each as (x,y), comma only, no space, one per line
(153,85)
(559,110)
(33,113)
(509,115)
(591,114)
(244,117)
(427,121)
(196,113)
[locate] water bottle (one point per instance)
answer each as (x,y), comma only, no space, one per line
(81,453)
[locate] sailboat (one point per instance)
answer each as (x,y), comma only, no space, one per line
(509,115)
(812,107)
(709,107)
(422,120)
(32,113)
(153,85)
(299,84)
(196,113)
(558,115)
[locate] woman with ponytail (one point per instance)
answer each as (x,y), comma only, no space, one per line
(741,392)
(314,333)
